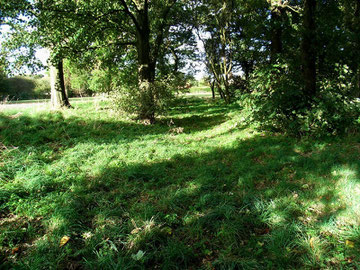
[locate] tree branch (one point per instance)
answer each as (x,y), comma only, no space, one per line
(160,35)
(127,11)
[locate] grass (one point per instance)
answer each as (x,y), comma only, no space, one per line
(199,91)
(30,101)
(197,190)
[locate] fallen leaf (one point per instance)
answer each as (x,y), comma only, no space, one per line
(15,250)
(64,240)
(349,244)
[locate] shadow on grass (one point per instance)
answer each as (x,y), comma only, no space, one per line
(265,203)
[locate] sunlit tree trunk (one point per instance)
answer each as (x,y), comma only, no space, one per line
(308,48)
(59,97)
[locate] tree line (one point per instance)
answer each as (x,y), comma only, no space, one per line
(294,65)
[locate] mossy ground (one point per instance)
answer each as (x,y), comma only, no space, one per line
(197,190)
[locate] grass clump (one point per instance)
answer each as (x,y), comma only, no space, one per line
(197,190)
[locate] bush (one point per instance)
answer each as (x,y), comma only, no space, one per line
(129,99)
(278,104)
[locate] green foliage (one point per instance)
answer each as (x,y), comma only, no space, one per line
(76,80)
(278,104)
(101,81)
(42,87)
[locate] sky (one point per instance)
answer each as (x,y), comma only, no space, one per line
(42,55)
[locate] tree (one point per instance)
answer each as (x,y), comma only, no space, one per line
(33,26)
(277,15)
(352,25)
(308,48)
(215,28)
(145,28)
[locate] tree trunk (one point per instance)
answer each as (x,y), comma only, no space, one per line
(59,97)
(227,94)
(276,34)
(212,86)
(247,67)
(221,92)
(146,69)
(357,44)
(308,49)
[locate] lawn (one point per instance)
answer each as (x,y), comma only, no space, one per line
(87,188)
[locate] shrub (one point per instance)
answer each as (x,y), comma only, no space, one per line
(129,99)
(278,104)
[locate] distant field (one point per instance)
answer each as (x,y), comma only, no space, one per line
(196,89)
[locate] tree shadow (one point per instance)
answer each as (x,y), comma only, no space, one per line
(253,206)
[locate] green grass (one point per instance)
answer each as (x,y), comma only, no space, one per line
(77,99)
(196,89)
(197,190)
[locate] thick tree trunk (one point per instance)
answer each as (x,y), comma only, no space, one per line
(59,97)
(276,35)
(146,69)
(308,49)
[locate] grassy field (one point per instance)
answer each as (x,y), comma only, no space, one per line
(87,188)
